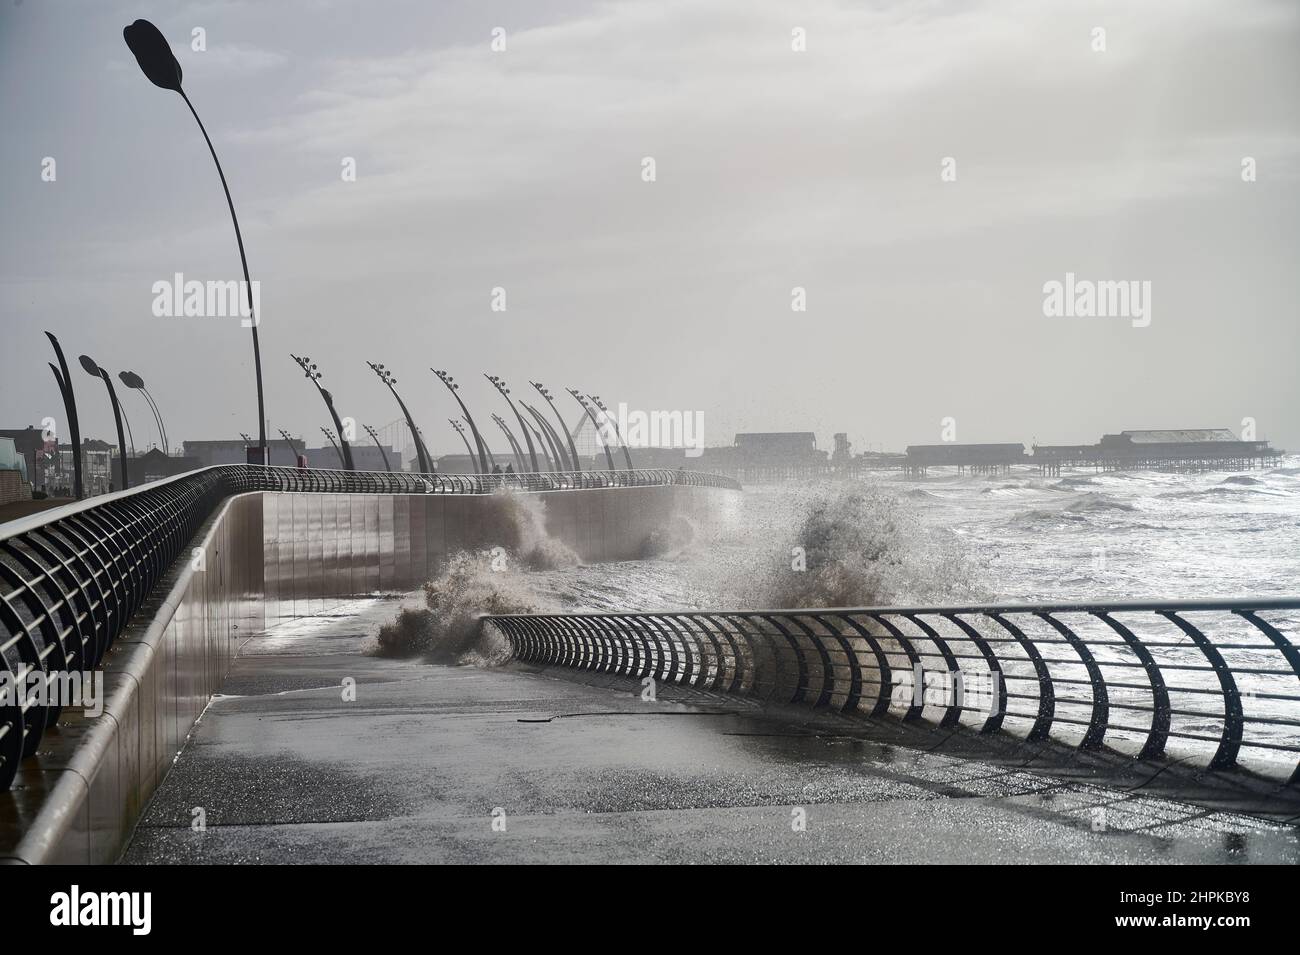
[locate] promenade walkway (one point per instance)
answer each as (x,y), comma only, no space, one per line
(284,769)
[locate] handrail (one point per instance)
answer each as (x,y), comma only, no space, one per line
(1087,672)
(72,577)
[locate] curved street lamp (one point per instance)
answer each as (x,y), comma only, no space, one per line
(421,452)
(330,434)
(136,383)
(591,415)
(560,455)
(483,453)
(550,400)
(504,389)
(130,438)
(460,430)
(309,370)
(382,453)
(541,443)
(64,380)
(88,363)
(514,445)
(627,455)
(155,57)
(289,441)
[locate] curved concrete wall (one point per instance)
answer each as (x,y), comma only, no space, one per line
(262,557)
(322,547)
(80,797)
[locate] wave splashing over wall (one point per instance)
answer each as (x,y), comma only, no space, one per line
(489,581)
(862,546)
(446,628)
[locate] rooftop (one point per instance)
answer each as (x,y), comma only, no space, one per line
(1180,436)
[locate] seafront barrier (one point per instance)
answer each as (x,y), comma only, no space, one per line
(157,586)
(1211,683)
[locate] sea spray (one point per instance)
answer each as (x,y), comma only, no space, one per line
(520,524)
(671,540)
(488,581)
(850,546)
(446,629)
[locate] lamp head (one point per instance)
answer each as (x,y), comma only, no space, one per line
(154,55)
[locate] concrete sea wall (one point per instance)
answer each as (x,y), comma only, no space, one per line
(264,557)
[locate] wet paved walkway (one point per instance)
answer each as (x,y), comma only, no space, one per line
(285,770)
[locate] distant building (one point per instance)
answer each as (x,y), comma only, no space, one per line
(365,455)
(843,453)
(987,458)
(1195,449)
(457,464)
(153,465)
(30,444)
(778,448)
(14,482)
(208,453)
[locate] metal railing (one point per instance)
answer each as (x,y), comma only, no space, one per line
(72,577)
(1215,678)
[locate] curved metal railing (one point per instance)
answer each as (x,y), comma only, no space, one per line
(1210,678)
(72,577)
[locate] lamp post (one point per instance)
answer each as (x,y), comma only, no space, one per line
(310,371)
(627,455)
(88,363)
(514,445)
(504,389)
(64,381)
(454,388)
(560,455)
(591,415)
(460,430)
(160,66)
(136,383)
(382,453)
(421,452)
(330,434)
(550,400)
(541,442)
(289,441)
(130,438)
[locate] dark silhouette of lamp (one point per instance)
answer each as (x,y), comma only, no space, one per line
(136,383)
(421,452)
(330,434)
(382,453)
(591,415)
(92,368)
(627,455)
(155,57)
(483,453)
(460,430)
(504,389)
(310,370)
(550,400)
(64,380)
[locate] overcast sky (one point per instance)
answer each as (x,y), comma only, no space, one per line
(775,169)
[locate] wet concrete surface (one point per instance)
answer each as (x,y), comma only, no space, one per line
(463,764)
